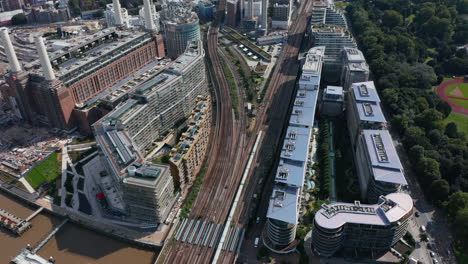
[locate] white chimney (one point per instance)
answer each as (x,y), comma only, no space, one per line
(44,58)
(149,23)
(117,13)
(10,52)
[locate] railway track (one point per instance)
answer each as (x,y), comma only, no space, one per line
(273,114)
(197,238)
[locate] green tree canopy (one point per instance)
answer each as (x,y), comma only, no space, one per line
(392,18)
(19,19)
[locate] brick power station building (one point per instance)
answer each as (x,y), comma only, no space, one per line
(61,89)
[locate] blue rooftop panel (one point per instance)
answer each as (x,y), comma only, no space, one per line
(386,165)
(290,172)
(296,143)
(370,112)
(283,204)
(303,111)
(366,92)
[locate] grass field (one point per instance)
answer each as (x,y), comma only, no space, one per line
(459,119)
(47,171)
(463,88)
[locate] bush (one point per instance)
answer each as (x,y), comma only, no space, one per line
(19,19)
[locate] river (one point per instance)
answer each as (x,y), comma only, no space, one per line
(72,244)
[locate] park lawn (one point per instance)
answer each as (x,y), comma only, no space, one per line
(459,119)
(47,171)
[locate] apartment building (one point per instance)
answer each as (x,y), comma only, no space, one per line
(335,39)
(149,192)
(332,104)
(188,155)
(378,166)
(125,133)
(363,110)
(166,99)
(324,12)
(374,227)
(355,68)
(284,207)
(233,13)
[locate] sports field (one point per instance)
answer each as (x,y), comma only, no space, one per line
(458,93)
(47,171)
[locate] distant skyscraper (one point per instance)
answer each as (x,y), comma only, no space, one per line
(180,25)
(281,16)
(233,12)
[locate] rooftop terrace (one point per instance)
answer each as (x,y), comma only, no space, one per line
(388,210)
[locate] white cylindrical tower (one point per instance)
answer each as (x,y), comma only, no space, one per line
(149,23)
(44,58)
(118,13)
(10,52)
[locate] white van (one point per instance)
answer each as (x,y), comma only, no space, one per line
(423,229)
(256,242)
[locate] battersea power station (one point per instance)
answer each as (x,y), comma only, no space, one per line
(63,88)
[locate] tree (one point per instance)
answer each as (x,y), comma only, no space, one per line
(415,136)
(428,118)
(461,223)
(416,153)
(435,136)
(440,190)
(19,19)
(391,19)
(456,202)
(428,170)
(451,130)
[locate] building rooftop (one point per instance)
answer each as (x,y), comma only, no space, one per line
(358,66)
(296,144)
(290,172)
(388,210)
(354,55)
(147,175)
(366,92)
(313,61)
(283,205)
(334,90)
(386,165)
(303,111)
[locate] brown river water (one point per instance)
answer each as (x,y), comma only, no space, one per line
(72,244)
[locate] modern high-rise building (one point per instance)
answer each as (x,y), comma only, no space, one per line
(363,110)
(124,134)
(60,88)
(334,38)
(206,9)
(110,16)
(233,12)
(325,13)
(355,68)
(10,5)
(281,14)
(283,211)
(357,226)
(328,28)
(378,166)
(252,14)
(180,26)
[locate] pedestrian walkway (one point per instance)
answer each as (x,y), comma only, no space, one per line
(27,185)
